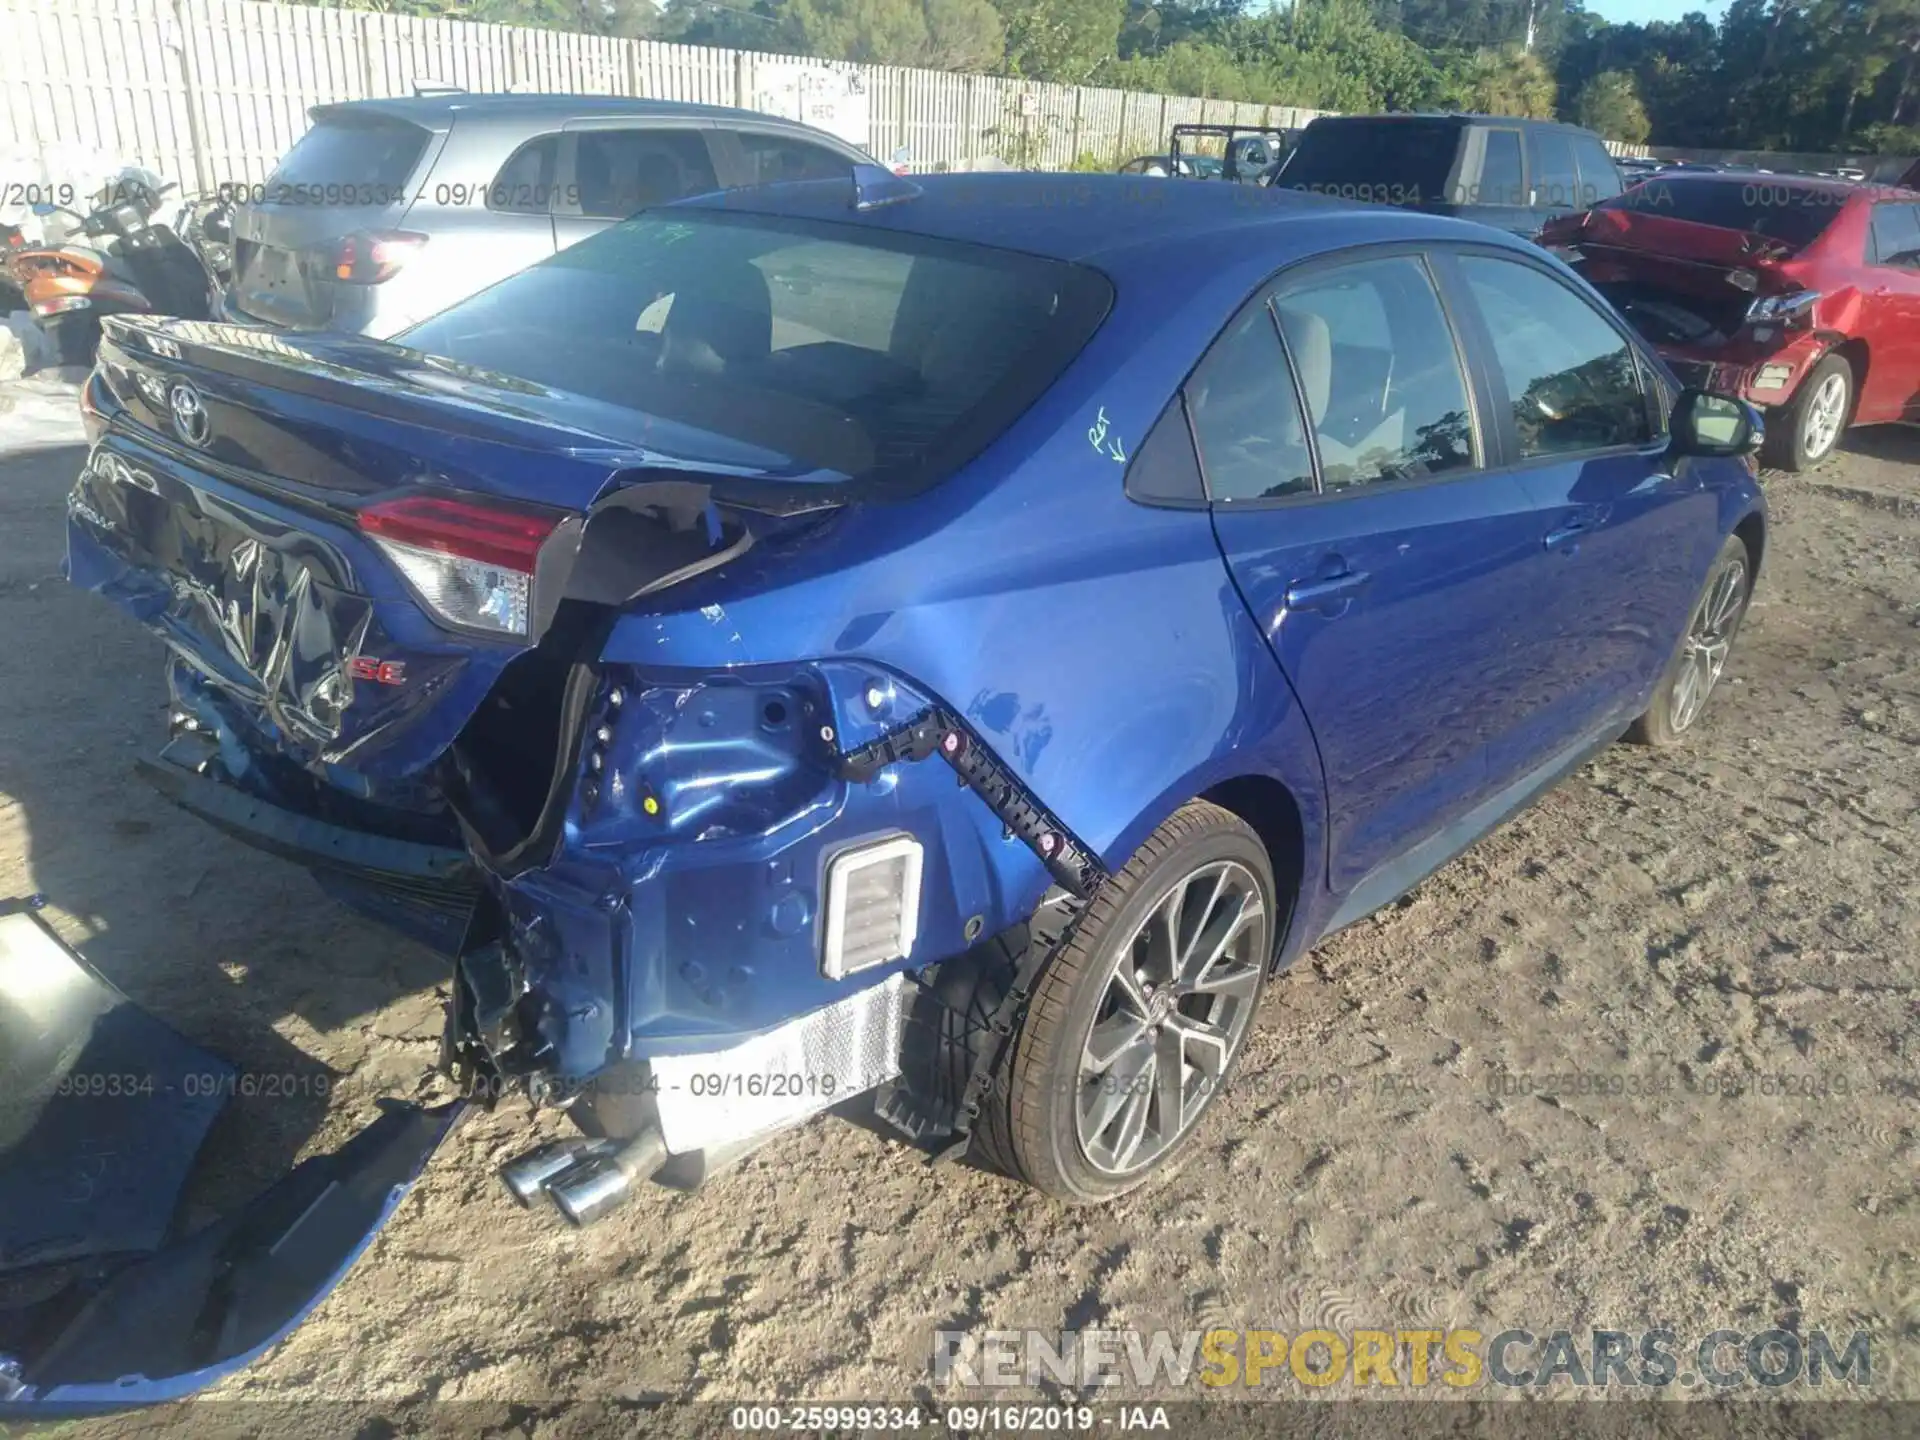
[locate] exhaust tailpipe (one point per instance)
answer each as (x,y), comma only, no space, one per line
(526,1177)
(595,1185)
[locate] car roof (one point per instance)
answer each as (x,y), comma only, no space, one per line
(437,110)
(1460,117)
(1119,223)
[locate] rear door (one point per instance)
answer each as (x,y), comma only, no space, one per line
(1622,538)
(1387,565)
(610,168)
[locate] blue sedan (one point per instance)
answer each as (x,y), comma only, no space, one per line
(955,639)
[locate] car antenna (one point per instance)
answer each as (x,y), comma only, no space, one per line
(874,186)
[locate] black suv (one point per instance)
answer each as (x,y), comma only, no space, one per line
(1511,173)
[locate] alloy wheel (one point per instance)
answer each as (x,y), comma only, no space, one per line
(1174,1012)
(1709,638)
(1826,414)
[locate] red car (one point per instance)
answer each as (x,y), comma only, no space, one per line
(1800,295)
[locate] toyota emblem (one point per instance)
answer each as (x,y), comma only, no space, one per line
(190,418)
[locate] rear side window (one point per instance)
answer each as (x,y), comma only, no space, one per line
(771,159)
(1556,181)
(1377,364)
(1164,469)
(1399,162)
(1896,233)
(1501,181)
(1599,176)
(524,185)
(1570,378)
(806,346)
(1246,418)
(617,172)
(366,158)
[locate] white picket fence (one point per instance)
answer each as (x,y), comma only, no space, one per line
(214,91)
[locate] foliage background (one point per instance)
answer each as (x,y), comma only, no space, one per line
(1795,75)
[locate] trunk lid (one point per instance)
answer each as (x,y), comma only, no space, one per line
(229,507)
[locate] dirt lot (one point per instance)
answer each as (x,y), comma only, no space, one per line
(1725,933)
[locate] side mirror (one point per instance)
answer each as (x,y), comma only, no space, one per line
(1707,424)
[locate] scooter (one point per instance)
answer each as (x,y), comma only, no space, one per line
(137,265)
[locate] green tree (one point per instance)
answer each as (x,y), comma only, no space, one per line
(1609,104)
(1504,82)
(1069,41)
(934,34)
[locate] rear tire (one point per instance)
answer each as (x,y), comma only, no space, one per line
(1135,1025)
(1807,429)
(1701,655)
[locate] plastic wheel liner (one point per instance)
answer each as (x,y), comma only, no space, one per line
(102,1112)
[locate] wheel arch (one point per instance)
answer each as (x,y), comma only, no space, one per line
(1858,357)
(1271,811)
(1751,531)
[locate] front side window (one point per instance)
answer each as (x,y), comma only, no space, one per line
(1570,377)
(882,358)
(1245,416)
(1377,364)
(1896,233)
(620,171)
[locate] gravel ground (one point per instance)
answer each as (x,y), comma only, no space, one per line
(1667,933)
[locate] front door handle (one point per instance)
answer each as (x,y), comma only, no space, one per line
(1565,538)
(1315,594)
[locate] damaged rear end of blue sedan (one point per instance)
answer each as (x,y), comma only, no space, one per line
(782,651)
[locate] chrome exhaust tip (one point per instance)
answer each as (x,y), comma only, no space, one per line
(527,1176)
(595,1185)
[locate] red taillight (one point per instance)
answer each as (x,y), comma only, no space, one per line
(372,258)
(471,562)
(494,534)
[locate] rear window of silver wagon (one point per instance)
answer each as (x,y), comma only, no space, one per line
(888,359)
(349,159)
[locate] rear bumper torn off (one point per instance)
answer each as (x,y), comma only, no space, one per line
(102,1112)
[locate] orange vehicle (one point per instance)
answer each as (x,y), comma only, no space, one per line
(122,263)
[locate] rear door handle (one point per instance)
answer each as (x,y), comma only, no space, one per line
(1313,594)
